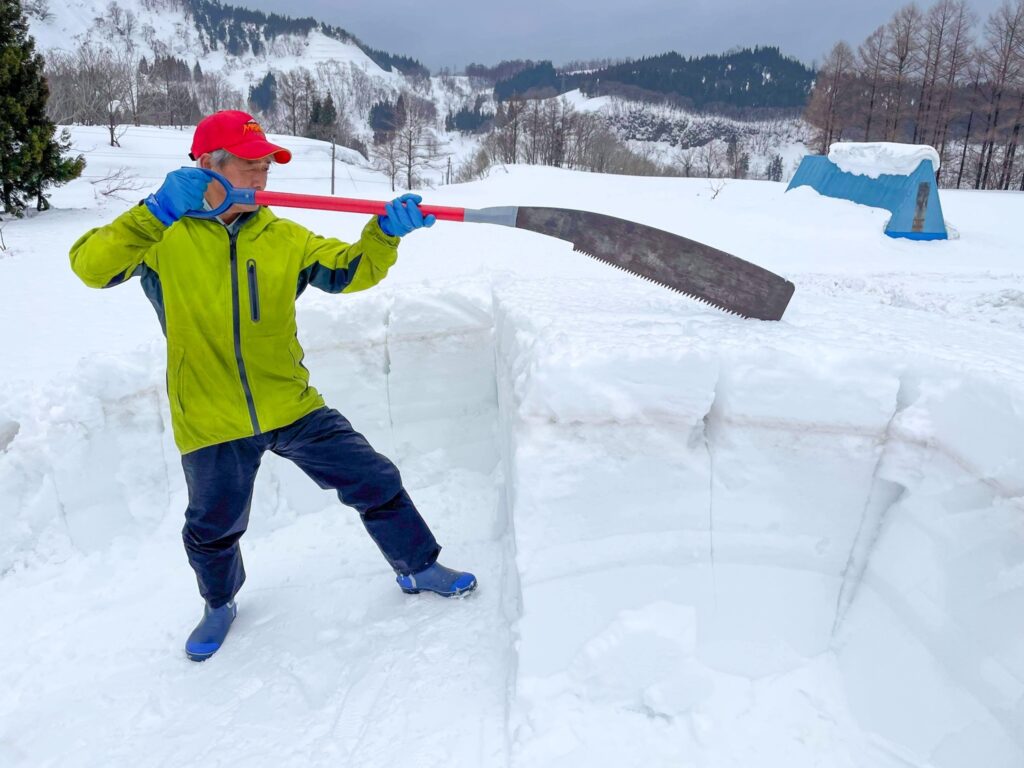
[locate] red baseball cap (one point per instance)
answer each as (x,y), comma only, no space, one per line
(236,132)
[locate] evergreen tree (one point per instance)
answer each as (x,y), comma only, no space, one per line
(30,158)
(263,96)
(54,168)
(328,116)
(385,119)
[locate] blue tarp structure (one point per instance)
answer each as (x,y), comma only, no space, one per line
(913,200)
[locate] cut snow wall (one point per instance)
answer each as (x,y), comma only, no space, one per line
(698,516)
(913,200)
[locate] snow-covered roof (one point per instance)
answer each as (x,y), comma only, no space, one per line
(877,158)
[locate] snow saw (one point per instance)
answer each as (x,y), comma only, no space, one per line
(675,262)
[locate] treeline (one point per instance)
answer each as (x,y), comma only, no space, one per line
(504,70)
(112,86)
(937,76)
(552,132)
(751,78)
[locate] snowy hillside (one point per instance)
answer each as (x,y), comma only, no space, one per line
(700,540)
(167,28)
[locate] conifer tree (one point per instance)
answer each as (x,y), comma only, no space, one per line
(30,158)
(328,116)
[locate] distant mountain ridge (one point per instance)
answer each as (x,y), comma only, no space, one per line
(241,30)
(750,78)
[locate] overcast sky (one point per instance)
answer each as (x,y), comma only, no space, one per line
(457,32)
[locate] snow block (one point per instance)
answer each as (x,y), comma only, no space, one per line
(913,199)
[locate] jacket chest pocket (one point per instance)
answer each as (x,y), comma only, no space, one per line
(254,290)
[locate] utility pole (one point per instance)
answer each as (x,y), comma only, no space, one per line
(333,143)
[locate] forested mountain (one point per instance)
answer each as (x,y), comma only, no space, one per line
(241,30)
(744,79)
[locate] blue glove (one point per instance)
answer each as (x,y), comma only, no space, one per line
(404,215)
(182,191)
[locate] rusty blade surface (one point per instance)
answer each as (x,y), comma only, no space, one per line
(676,262)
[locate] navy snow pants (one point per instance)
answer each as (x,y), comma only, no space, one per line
(324,445)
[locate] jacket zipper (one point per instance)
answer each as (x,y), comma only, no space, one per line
(254,291)
(237,323)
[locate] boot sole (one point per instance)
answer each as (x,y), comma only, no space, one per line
(456,594)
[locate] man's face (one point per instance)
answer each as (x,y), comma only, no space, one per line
(250,174)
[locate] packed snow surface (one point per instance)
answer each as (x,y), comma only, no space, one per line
(877,158)
(700,540)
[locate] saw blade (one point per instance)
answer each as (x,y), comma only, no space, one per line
(686,266)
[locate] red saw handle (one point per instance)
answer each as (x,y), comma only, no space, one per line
(350,205)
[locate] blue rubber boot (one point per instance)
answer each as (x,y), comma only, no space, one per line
(208,635)
(437,578)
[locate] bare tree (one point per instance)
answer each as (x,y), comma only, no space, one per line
(1001,62)
(870,58)
(956,63)
(214,93)
(900,64)
(417,142)
(709,159)
(829,104)
(533,132)
(90,86)
(508,121)
(120,183)
(386,157)
(476,167)
(295,93)
(737,159)
(685,160)
(118,22)
(332,79)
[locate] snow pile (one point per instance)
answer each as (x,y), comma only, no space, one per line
(878,158)
(700,540)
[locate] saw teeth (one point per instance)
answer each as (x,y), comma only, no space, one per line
(700,299)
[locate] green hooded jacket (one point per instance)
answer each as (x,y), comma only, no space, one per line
(226,303)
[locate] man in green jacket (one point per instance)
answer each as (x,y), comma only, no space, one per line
(224,291)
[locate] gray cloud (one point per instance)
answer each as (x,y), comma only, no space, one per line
(458,32)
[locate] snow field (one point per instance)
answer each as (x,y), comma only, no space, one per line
(701,540)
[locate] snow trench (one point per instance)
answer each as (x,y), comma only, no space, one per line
(696,543)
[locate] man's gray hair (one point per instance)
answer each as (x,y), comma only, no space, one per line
(219,156)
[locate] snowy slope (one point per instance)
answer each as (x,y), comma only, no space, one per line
(163,27)
(700,540)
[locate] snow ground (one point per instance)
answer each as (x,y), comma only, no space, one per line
(701,540)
